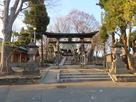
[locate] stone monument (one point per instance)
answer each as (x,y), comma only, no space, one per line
(118,66)
(31,67)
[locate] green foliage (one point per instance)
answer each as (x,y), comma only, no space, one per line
(119,11)
(117,16)
(102,3)
(37,17)
(15,33)
(50,60)
(103,35)
(15,44)
(133,36)
(25,36)
(51,48)
(133,39)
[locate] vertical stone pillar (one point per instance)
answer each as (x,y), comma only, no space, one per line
(57,52)
(83,57)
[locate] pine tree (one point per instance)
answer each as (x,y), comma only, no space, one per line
(37,17)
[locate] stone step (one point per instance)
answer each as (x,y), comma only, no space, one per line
(84,79)
(72,74)
(67,63)
(62,67)
(68,77)
(86,76)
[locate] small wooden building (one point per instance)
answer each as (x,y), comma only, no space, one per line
(19,57)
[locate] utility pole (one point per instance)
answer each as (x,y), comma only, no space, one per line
(34,35)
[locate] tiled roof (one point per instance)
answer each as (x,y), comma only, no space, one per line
(23,48)
(73,35)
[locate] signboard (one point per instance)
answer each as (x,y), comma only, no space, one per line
(109,58)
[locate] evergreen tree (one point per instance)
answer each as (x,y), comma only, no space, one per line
(37,17)
(103,35)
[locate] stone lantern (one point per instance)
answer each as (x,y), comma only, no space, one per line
(118,66)
(31,67)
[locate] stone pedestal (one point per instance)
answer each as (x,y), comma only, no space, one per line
(57,58)
(31,67)
(134,62)
(120,68)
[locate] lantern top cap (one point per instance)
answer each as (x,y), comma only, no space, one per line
(32,45)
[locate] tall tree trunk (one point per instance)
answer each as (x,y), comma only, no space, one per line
(129,35)
(9,14)
(113,37)
(125,52)
(5,53)
(129,61)
(131,67)
(7,31)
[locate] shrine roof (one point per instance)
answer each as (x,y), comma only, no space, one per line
(72,35)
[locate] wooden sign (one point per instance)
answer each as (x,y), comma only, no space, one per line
(109,58)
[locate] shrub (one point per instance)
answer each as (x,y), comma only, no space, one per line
(50,60)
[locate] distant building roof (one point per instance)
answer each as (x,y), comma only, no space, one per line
(23,48)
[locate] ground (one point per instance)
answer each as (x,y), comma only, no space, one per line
(17,79)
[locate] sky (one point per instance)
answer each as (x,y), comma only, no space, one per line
(64,7)
(87,6)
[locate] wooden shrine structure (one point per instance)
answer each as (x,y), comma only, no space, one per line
(58,36)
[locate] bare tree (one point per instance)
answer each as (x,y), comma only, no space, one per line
(82,22)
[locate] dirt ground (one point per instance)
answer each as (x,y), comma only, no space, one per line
(18,79)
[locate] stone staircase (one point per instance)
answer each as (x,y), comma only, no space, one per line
(72,77)
(68,61)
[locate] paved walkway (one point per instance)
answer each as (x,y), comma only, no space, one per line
(50,76)
(72,70)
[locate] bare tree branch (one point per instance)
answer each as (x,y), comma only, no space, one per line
(20,7)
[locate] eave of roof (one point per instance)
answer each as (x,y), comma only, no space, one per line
(72,35)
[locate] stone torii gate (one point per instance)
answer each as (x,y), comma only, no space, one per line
(58,36)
